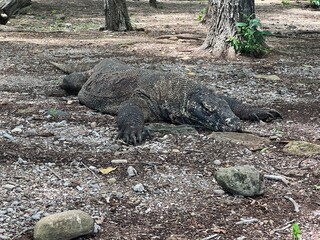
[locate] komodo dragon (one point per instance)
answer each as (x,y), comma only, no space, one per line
(138,95)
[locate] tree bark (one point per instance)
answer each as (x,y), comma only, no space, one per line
(224,16)
(116,15)
(153,3)
(10,7)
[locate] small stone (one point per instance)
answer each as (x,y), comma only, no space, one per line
(138,187)
(93,168)
(131,171)
(36,216)
(65,225)
(10,210)
(93,124)
(4,237)
(267,77)
(112,180)
(117,161)
(8,136)
(22,161)
(217,162)
(17,129)
(9,186)
(219,192)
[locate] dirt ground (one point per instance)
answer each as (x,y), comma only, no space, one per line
(51,147)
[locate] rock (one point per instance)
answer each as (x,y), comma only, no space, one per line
(112,180)
(218,192)
(17,129)
(138,187)
(131,171)
(242,180)
(245,139)
(9,186)
(65,225)
(6,135)
(4,237)
(302,148)
(217,162)
(267,77)
(165,128)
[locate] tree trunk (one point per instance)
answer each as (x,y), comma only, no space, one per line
(116,15)
(10,7)
(225,15)
(153,3)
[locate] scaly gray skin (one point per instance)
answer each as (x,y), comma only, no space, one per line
(137,96)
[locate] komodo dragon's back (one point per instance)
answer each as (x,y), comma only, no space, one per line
(138,95)
(105,91)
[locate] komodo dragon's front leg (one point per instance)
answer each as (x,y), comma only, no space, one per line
(131,117)
(251,113)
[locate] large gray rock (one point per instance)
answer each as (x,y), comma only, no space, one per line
(242,180)
(64,226)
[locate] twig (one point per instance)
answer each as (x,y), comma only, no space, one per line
(259,134)
(210,237)
(22,232)
(54,173)
(277,178)
(288,224)
(295,204)
(181,36)
(247,221)
(89,170)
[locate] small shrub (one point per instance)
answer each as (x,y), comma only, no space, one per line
(202,14)
(315,3)
(53,112)
(249,40)
(296,232)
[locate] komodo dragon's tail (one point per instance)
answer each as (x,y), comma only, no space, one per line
(74,67)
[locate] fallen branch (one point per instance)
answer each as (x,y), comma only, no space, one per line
(181,36)
(288,225)
(295,204)
(22,232)
(54,173)
(89,170)
(277,178)
(247,221)
(210,237)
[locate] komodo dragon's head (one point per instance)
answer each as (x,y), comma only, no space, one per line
(209,111)
(73,82)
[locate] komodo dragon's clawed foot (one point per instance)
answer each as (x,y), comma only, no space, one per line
(265,115)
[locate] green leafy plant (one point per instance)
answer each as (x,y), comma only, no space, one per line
(315,3)
(317,187)
(285,2)
(201,14)
(249,40)
(296,232)
(53,112)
